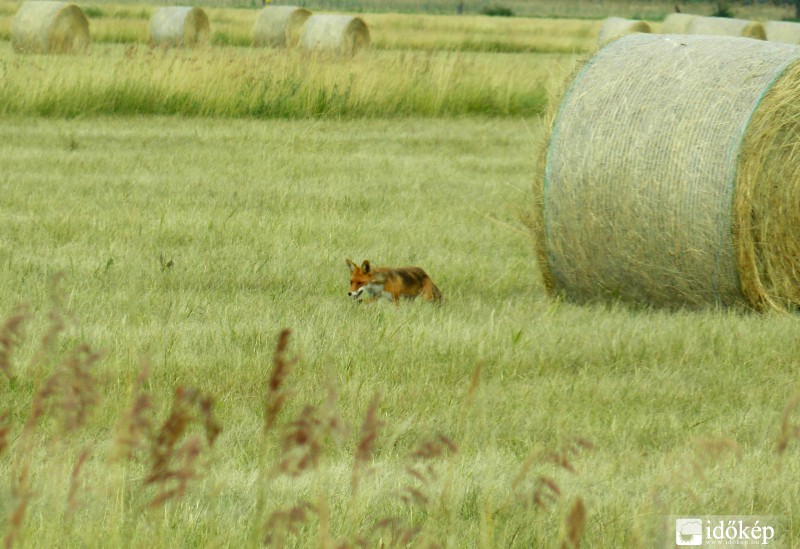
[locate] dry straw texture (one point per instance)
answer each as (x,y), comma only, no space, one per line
(677,23)
(672,176)
(614,27)
(49,27)
(723,26)
(279,26)
(339,33)
(180,26)
(783,31)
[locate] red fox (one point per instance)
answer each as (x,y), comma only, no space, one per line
(391,284)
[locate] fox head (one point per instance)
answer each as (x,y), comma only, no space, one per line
(364,282)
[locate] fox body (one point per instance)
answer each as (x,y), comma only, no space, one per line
(385,282)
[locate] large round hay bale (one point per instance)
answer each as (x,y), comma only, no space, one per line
(49,27)
(672,175)
(783,31)
(180,26)
(614,27)
(279,26)
(677,23)
(724,26)
(339,33)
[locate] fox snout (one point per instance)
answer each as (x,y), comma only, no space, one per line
(356,294)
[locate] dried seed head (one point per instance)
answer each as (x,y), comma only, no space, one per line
(11,333)
(575,525)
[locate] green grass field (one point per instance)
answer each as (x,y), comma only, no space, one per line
(151,214)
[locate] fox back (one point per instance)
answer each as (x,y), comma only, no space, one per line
(390,283)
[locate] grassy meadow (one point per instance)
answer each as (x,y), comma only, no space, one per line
(233,82)
(167,214)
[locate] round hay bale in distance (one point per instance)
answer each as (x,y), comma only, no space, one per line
(783,31)
(677,23)
(671,176)
(339,33)
(49,27)
(279,26)
(725,26)
(180,26)
(614,27)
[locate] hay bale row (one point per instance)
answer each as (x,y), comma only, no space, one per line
(42,26)
(684,23)
(671,176)
(57,27)
(615,27)
(49,27)
(774,31)
(725,26)
(289,26)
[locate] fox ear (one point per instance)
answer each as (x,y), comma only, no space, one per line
(351,265)
(365,266)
